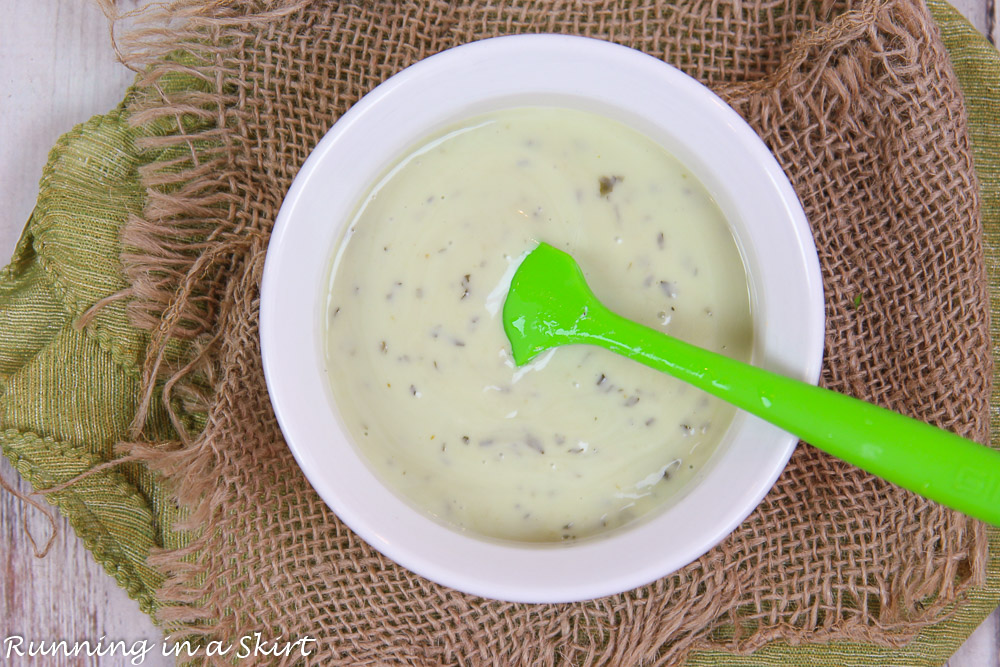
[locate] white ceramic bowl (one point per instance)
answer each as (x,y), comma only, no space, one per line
(689,121)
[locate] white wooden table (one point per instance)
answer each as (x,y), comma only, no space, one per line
(56,70)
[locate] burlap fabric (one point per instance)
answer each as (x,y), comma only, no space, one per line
(859,105)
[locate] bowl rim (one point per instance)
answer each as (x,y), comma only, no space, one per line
(514,71)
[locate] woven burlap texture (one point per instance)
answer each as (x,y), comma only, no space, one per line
(860,107)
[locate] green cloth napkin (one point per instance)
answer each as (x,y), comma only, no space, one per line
(68,393)
(69,378)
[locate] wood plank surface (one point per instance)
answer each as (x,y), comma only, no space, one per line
(56,70)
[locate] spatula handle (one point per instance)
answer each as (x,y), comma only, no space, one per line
(935,463)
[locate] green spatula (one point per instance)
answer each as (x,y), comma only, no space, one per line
(549,304)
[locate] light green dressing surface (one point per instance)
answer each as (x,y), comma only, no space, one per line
(580,441)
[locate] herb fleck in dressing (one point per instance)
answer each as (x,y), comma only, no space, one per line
(580,441)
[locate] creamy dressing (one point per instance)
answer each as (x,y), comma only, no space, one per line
(580,441)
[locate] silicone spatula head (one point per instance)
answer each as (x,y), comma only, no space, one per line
(548,304)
